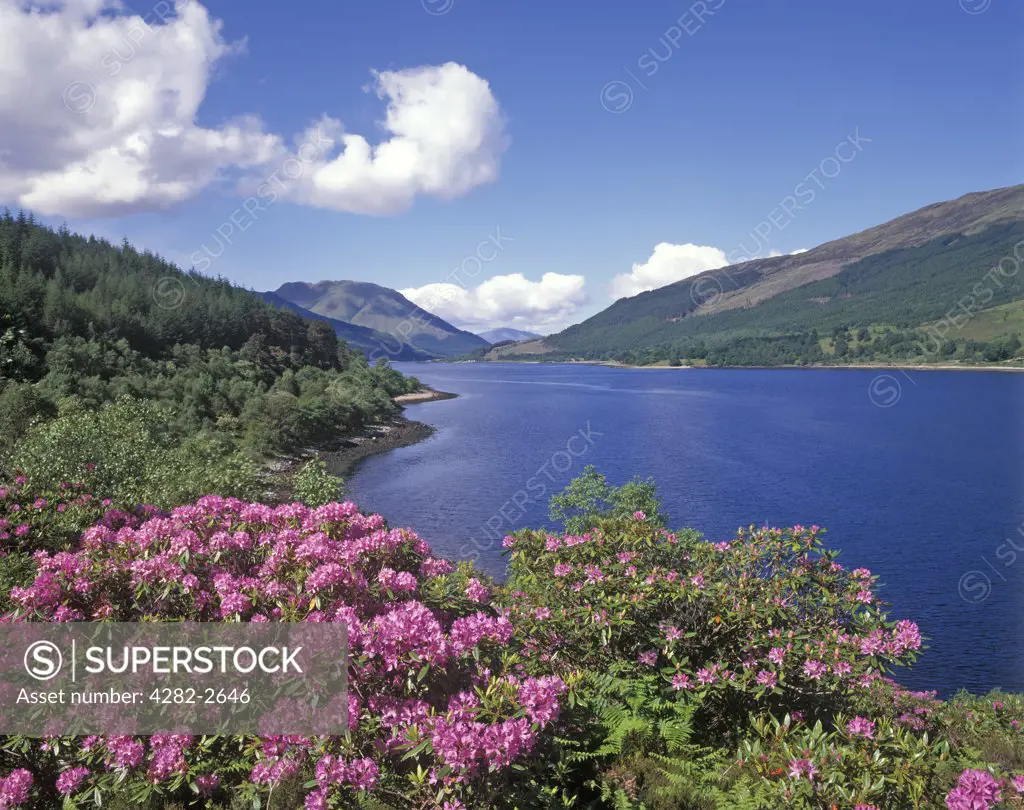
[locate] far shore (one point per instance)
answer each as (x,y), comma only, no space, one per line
(827,367)
(812,367)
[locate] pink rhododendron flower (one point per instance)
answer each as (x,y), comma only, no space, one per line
(707,676)
(14,788)
(539,698)
(802,767)
(862,727)
(681,681)
(767,678)
(69,780)
(476,590)
(208,783)
(975,790)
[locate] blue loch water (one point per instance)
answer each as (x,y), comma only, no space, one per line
(917,476)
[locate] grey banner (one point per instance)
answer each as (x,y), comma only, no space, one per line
(173,678)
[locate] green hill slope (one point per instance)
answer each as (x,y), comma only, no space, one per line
(903,282)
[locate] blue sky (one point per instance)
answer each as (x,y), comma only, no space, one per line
(742,106)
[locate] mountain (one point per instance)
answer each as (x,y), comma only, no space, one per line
(507,333)
(385,311)
(888,292)
(369,341)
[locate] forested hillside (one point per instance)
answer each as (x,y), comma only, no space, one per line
(101,343)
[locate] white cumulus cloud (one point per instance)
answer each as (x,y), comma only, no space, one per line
(511,300)
(667,264)
(99,108)
(446,137)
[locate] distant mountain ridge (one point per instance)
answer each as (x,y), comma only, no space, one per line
(507,333)
(369,341)
(405,326)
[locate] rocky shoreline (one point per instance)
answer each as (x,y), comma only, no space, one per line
(398,431)
(343,456)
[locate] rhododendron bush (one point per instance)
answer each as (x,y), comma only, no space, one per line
(438,712)
(769,620)
(626,666)
(764,646)
(34,518)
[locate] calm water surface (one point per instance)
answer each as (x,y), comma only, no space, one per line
(928,492)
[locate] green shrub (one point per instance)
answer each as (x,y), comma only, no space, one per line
(987,728)
(589,497)
(743,675)
(809,766)
(21,406)
(128,452)
(315,486)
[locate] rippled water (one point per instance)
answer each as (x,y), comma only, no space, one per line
(918,477)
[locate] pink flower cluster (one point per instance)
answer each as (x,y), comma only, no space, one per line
(975,790)
(69,780)
(14,788)
(862,727)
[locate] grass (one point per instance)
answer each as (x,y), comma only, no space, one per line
(993,323)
